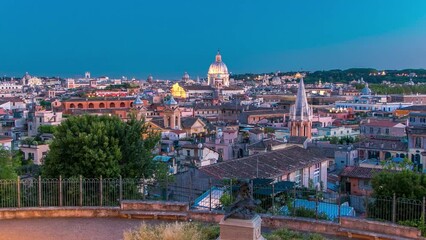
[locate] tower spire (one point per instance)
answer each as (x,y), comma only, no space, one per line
(301,109)
(301,114)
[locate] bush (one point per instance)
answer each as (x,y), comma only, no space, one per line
(282,234)
(226,200)
(173,231)
(415,223)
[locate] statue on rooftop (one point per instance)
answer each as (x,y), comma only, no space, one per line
(244,205)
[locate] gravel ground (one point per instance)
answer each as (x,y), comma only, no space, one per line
(74,228)
(67,228)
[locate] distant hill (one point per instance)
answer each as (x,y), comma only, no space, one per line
(369,75)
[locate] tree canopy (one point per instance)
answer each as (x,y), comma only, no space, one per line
(405,183)
(9,164)
(94,146)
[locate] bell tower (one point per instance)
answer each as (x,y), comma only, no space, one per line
(301,114)
(172,114)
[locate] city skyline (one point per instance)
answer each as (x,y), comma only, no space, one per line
(136,39)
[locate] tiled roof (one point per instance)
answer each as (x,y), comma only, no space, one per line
(381,123)
(296,139)
(382,144)
(265,165)
(360,172)
(188,122)
(262,145)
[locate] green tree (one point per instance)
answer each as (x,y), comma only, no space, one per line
(9,164)
(94,146)
(136,144)
(405,183)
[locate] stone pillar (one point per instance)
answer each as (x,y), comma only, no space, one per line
(241,229)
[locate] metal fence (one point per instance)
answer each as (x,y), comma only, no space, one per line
(273,198)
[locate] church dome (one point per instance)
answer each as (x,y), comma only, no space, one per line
(218,67)
(366,90)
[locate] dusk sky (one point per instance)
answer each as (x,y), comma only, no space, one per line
(135,38)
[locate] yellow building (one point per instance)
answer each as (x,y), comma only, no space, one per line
(178,91)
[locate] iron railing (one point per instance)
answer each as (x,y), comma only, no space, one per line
(293,201)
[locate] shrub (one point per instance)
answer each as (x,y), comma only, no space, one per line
(283,233)
(415,223)
(173,231)
(226,200)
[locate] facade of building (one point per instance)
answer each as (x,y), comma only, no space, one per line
(357,180)
(41,118)
(35,153)
(416,132)
(378,127)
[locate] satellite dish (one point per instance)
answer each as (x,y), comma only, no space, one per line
(200,145)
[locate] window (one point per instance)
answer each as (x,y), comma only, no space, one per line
(418,142)
(298,177)
(387,131)
(371,130)
(317,171)
(365,184)
(188,153)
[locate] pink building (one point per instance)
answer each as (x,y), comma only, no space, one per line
(224,142)
(380,127)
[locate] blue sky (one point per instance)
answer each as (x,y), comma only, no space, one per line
(135,38)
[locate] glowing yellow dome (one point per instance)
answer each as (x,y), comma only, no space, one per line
(298,75)
(178,91)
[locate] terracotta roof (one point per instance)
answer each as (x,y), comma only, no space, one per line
(296,140)
(360,172)
(265,165)
(382,144)
(381,123)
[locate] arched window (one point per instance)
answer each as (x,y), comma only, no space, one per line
(72,105)
(402,155)
(418,142)
(101,105)
(122,105)
(112,105)
(91,105)
(131,104)
(80,105)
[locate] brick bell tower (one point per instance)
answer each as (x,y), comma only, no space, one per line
(301,114)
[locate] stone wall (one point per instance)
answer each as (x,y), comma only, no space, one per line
(299,224)
(273,222)
(380,227)
(52,212)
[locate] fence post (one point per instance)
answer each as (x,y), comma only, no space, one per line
(167,188)
(18,186)
(423,209)
(316,204)
(100,191)
(60,191)
(39,191)
(120,189)
(294,200)
(338,202)
(143,187)
(210,194)
(81,191)
(366,205)
(273,199)
(394,208)
(190,189)
(232,192)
